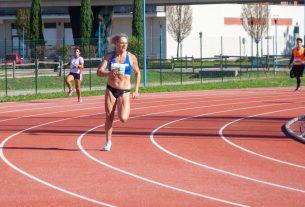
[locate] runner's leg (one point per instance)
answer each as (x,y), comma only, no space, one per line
(124,107)
(110,105)
(68,83)
(77,87)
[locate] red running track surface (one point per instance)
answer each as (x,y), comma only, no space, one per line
(199,148)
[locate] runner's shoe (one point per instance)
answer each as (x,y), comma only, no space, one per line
(70,92)
(107,146)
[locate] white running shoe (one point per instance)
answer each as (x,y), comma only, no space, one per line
(70,92)
(107,146)
(80,100)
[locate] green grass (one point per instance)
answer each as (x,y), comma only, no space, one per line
(263,82)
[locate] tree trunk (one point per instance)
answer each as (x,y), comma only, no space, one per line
(178,46)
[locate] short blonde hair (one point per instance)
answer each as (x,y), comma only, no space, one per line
(115,38)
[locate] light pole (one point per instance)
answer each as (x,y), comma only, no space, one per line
(144,42)
(99,39)
(244,42)
(296,30)
(23,52)
(161,43)
(251,24)
(200,37)
(276,18)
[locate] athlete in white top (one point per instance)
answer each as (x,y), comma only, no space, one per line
(76,65)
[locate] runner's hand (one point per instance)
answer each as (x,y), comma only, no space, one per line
(135,94)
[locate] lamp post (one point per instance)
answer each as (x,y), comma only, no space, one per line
(144,42)
(251,24)
(200,37)
(161,43)
(23,22)
(276,18)
(296,30)
(244,42)
(99,39)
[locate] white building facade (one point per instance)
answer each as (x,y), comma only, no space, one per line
(222,32)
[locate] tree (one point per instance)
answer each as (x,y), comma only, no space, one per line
(23,23)
(179,22)
(136,41)
(36,26)
(86,19)
(36,29)
(255,18)
(137,19)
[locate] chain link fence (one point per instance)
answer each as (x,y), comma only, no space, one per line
(43,67)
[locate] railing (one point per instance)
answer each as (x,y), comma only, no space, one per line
(45,76)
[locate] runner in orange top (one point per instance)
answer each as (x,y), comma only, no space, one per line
(297,62)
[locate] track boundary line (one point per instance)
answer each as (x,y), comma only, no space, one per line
(220,132)
(216,169)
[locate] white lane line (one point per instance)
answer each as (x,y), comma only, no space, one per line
(150,102)
(217,169)
(2,145)
(40,180)
(164,185)
(162,95)
(49,184)
(221,134)
(79,143)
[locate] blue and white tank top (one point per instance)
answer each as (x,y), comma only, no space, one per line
(122,68)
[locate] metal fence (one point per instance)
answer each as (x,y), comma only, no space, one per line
(43,69)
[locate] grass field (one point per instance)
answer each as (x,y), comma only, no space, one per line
(175,81)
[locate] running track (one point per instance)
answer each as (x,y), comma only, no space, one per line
(199,148)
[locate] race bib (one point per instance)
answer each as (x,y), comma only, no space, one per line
(120,68)
(297,61)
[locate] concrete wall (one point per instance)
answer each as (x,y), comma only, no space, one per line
(209,19)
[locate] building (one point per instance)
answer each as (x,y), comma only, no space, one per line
(58,26)
(221,30)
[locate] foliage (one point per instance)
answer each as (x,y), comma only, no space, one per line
(135,46)
(63,50)
(36,26)
(86,22)
(136,41)
(179,22)
(23,21)
(255,20)
(137,19)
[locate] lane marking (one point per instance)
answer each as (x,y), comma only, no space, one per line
(221,134)
(217,169)
(2,145)
(79,143)
(44,182)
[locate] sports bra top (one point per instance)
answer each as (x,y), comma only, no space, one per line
(122,68)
